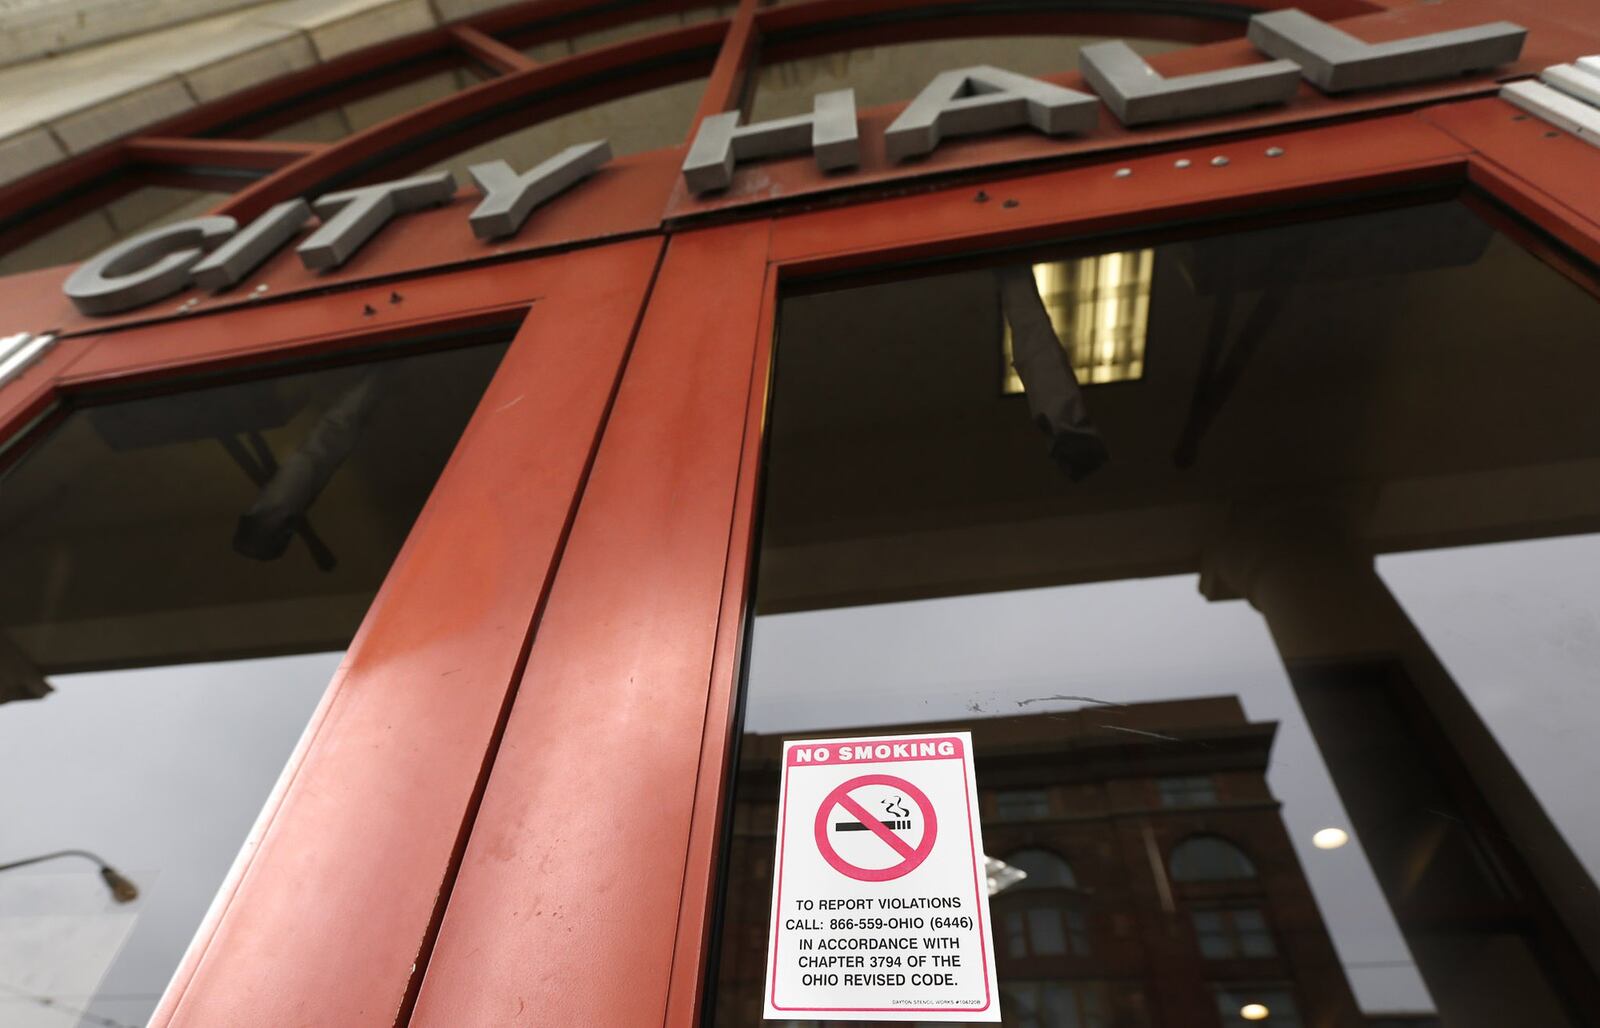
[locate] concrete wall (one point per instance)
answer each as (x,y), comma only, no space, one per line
(77,75)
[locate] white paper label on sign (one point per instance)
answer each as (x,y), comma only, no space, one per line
(880,910)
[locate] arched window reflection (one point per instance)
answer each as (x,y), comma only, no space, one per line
(1209,858)
(1044,869)
(1042,914)
(1051,1004)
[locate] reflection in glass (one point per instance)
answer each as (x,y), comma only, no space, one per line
(1187,791)
(359,112)
(86,234)
(1230,933)
(556,49)
(1099,307)
(1266,1005)
(1022,804)
(646,120)
(1040,913)
(161,771)
(183,570)
(1209,858)
(1044,870)
(1260,619)
(1054,1005)
(898,71)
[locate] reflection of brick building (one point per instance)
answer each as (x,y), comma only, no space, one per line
(1162,888)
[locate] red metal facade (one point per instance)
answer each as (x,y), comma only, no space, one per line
(431,857)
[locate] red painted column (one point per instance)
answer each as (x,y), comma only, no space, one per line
(566,908)
(329,915)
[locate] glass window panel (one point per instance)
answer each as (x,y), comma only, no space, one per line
(1047,1004)
(1022,1005)
(1247,1007)
(1248,920)
(555,50)
(1078,932)
(1188,791)
(1022,804)
(1061,1004)
(1044,870)
(898,71)
(1256,944)
(183,571)
(1207,858)
(1216,946)
(1045,936)
(331,123)
(1016,933)
(1093,1008)
(82,237)
(1099,307)
(924,550)
(1232,933)
(647,120)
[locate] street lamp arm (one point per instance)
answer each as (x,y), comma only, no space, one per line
(122,889)
(53,856)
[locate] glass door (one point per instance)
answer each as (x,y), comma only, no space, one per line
(1258,559)
(216,517)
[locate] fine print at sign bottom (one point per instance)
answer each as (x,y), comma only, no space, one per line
(879,905)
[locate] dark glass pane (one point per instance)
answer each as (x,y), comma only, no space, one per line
(646,120)
(1187,791)
(1044,870)
(1209,859)
(898,71)
(1336,559)
(86,234)
(556,49)
(1253,1006)
(328,122)
(181,572)
(1022,804)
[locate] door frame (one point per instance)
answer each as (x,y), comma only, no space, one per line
(329,911)
(687,586)
(428,827)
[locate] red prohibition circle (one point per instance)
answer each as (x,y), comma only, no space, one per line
(912,857)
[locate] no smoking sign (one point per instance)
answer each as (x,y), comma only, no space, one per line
(879,911)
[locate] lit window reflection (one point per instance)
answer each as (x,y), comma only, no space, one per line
(1100,309)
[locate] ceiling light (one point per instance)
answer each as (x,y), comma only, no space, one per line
(1099,307)
(1254,1012)
(1330,838)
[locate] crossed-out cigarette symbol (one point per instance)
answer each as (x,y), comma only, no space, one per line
(863,821)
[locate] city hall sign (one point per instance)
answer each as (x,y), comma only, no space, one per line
(216,252)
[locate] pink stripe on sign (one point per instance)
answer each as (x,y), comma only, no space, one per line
(864,751)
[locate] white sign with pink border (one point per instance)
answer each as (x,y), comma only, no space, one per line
(880,905)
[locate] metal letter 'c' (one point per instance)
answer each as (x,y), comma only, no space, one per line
(147,267)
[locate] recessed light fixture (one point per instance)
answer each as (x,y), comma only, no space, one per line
(1254,1012)
(1099,307)
(1330,838)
